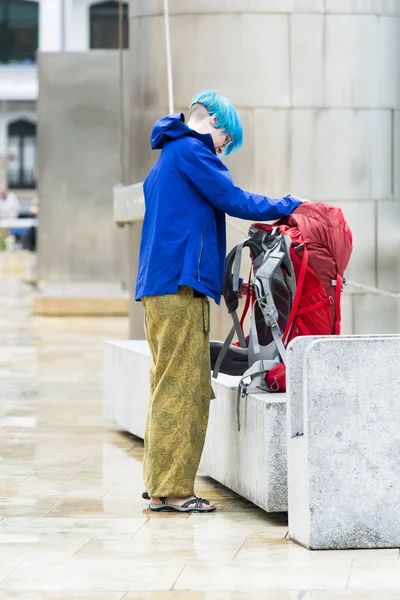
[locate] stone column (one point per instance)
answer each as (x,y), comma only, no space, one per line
(80,268)
(317,85)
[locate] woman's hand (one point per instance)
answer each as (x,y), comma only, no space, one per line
(244,289)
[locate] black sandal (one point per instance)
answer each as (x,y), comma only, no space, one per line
(200,505)
(145,496)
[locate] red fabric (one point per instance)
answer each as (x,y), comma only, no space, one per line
(276,378)
(329,241)
(316,307)
(248,299)
(339,283)
(300,278)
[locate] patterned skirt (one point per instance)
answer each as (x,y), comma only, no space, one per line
(177,327)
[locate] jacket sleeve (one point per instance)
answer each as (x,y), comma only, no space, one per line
(213,180)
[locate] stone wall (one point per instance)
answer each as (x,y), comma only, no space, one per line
(317,85)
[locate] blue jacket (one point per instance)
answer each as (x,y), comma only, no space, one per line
(187,193)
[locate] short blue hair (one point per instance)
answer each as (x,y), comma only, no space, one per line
(226,117)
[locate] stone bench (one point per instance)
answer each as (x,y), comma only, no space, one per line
(344,442)
(252,462)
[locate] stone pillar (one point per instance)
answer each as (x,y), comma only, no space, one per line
(317,85)
(343,442)
(79,246)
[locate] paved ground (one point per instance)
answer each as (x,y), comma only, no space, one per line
(72,523)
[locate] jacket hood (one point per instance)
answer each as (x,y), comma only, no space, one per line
(173,127)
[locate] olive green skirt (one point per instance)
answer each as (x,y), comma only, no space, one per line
(177,327)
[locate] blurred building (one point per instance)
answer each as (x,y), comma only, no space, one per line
(26,27)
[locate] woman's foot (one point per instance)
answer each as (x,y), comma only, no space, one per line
(181,504)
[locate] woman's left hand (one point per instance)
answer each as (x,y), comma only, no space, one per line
(244,289)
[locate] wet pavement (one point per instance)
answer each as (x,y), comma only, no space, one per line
(73,525)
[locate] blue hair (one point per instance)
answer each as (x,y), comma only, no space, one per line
(226,117)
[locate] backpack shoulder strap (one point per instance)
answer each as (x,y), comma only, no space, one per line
(299,289)
(251,382)
(277,256)
(339,284)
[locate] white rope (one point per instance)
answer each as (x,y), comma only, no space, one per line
(169,59)
(121,92)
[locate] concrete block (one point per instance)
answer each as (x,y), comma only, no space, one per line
(153,7)
(251,463)
(351,60)
(272,155)
(344,462)
(78,109)
(347,314)
(149,83)
(139,8)
(126,382)
(388,247)
(362,61)
(295,408)
(240,6)
(242,164)
(378,7)
(376,314)
(253,58)
(307,59)
(78,306)
(341,155)
(362,221)
(388,76)
(396,157)
(308,6)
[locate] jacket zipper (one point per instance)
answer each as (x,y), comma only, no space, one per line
(201,252)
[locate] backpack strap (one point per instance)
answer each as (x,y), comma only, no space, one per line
(277,336)
(223,353)
(257,370)
(238,328)
(231,285)
(276,257)
(249,298)
(229,293)
(236,266)
(339,284)
(300,283)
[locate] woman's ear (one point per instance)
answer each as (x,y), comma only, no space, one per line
(213,120)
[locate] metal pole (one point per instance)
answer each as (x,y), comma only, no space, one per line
(169,59)
(121,92)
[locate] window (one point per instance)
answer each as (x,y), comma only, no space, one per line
(18,31)
(104,25)
(21,154)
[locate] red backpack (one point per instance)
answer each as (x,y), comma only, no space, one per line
(298,264)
